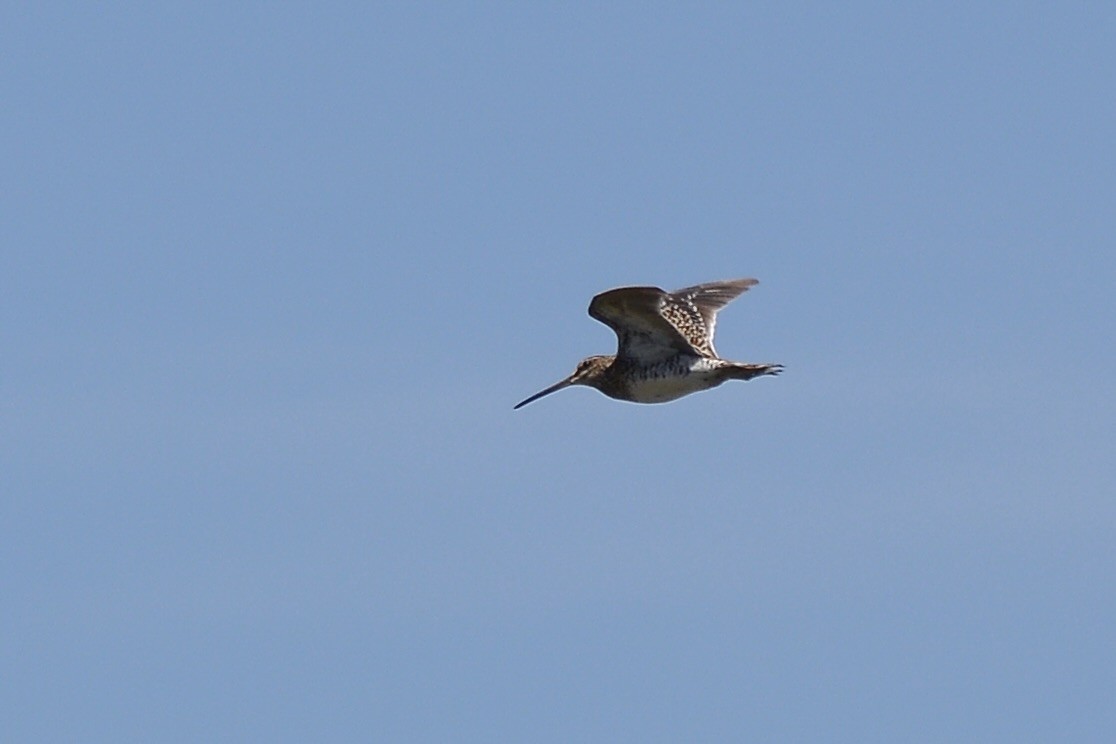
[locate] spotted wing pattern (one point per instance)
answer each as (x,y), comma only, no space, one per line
(642,333)
(693,310)
(652,325)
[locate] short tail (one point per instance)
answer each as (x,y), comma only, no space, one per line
(741,371)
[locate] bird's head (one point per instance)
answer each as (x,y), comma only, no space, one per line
(588,372)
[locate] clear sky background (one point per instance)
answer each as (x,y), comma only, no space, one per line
(272,277)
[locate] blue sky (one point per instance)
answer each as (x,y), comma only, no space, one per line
(274,275)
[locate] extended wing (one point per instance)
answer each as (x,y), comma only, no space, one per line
(693,310)
(652,325)
(643,334)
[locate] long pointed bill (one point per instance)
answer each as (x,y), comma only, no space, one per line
(552,389)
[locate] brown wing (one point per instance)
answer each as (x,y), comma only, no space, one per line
(652,325)
(693,310)
(642,333)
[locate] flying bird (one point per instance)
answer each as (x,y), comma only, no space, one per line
(664,344)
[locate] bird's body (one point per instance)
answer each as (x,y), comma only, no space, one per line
(665,344)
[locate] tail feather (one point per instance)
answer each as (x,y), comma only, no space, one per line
(741,371)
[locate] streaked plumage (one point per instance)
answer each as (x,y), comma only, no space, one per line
(664,344)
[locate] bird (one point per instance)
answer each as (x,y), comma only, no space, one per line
(664,344)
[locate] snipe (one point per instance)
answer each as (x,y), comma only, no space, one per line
(665,344)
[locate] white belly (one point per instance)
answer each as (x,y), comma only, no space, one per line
(699,376)
(663,389)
